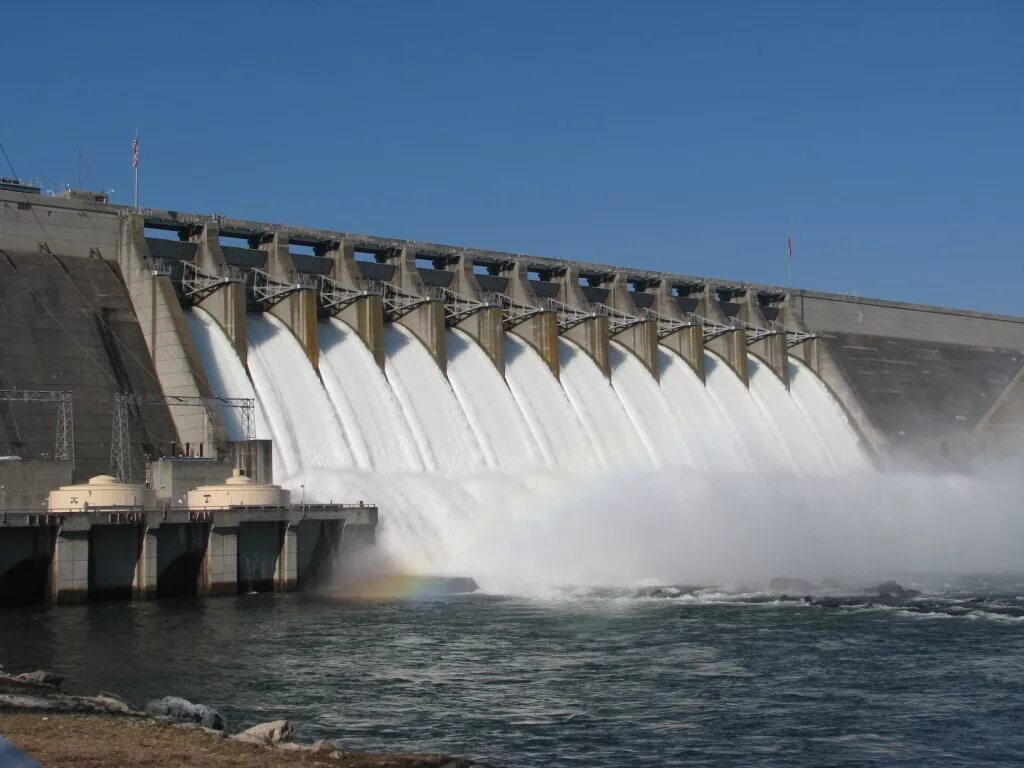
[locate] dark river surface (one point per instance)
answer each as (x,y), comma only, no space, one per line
(588,680)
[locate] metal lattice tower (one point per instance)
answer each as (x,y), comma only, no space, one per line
(120,439)
(64,445)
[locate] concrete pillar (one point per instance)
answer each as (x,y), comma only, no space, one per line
(539,331)
(686,342)
(144,583)
(299,310)
(426,321)
(592,334)
(640,339)
(770,349)
(167,335)
(366,315)
(220,570)
(731,346)
(286,575)
(227,304)
(486,327)
(70,568)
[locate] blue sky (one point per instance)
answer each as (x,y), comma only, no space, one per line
(886,137)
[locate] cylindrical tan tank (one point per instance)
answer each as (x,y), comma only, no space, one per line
(238,491)
(100,491)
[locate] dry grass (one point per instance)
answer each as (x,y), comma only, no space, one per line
(100,741)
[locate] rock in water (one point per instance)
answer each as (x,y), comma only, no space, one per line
(893,589)
(186,712)
(273,732)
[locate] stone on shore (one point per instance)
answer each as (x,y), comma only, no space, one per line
(274,732)
(40,677)
(322,747)
(185,711)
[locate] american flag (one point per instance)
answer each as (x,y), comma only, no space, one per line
(135,152)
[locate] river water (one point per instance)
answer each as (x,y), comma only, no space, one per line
(576,678)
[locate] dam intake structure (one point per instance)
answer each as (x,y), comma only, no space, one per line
(467,391)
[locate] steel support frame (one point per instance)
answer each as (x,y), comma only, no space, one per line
(334,297)
(64,443)
(120,438)
(197,284)
(268,292)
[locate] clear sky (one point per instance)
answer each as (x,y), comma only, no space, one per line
(886,137)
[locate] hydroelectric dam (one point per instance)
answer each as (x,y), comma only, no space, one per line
(148,355)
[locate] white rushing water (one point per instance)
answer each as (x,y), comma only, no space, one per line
(529,478)
(662,431)
(302,420)
(365,403)
(827,416)
(556,428)
(600,411)
(490,408)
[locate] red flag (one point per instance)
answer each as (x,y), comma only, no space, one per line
(135,152)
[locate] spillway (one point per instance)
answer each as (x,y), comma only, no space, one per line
(611,432)
(760,442)
(456,460)
(225,373)
(662,432)
(489,406)
(366,405)
(825,414)
(438,422)
(302,421)
(546,408)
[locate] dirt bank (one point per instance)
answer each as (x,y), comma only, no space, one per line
(103,741)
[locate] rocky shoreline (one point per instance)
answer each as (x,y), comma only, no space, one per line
(38,718)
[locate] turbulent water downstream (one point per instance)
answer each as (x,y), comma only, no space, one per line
(588,679)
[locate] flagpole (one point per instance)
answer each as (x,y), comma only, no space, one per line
(789,246)
(135,162)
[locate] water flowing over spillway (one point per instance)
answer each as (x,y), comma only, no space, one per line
(576,479)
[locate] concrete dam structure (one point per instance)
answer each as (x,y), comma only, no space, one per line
(454,387)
